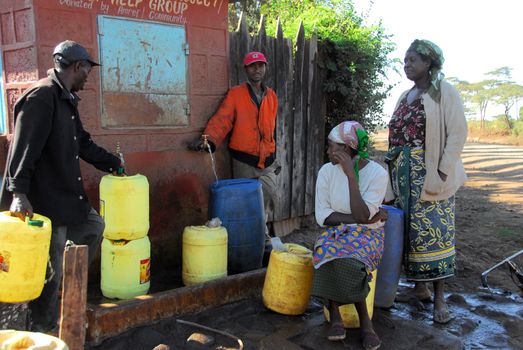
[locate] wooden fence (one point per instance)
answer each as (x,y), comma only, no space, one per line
(295,77)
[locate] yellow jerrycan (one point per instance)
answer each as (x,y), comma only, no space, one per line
(20,340)
(24,252)
(348,312)
(204,254)
(288,281)
(124,205)
(126,267)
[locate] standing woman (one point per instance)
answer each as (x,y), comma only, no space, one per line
(349,192)
(426,136)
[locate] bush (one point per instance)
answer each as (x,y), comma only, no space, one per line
(517,129)
(352,56)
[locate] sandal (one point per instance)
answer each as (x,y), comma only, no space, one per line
(336,332)
(370,340)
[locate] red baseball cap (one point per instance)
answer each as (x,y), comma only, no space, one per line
(252,57)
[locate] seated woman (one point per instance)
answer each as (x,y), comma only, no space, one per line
(349,191)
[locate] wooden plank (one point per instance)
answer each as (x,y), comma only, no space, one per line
(283,85)
(244,46)
(306,110)
(269,51)
(284,227)
(233,59)
(312,127)
(321,111)
(111,319)
(261,38)
(298,148)
(74,297)
(289,121)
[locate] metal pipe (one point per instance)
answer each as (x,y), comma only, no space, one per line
(485,273)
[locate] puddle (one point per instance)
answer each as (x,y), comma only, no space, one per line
(489,319)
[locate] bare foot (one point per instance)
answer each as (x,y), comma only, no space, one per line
(441,312)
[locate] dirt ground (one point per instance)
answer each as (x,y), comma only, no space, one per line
(489,228)
(489,213)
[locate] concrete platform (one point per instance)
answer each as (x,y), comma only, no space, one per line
(111,319)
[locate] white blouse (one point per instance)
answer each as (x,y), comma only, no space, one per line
(332,190)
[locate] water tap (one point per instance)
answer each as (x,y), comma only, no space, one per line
(120,155)
(205,142)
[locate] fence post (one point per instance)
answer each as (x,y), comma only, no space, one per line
(74,297)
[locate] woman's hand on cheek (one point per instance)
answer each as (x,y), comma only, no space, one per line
(345,161)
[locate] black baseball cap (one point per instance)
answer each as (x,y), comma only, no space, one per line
(71,51)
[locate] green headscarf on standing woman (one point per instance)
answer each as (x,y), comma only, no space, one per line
(431,51)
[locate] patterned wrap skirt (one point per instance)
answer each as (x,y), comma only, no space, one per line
(343,257)
(430,225)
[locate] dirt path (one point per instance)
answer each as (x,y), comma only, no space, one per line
(489,212)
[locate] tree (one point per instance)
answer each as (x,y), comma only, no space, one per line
(507,95)
(250,9)
(502,74)
(478,94)
(352,56)
(499,89)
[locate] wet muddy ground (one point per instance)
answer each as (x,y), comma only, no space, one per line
(481,321)
(489,221)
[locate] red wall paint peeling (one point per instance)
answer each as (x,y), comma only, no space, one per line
(179,179)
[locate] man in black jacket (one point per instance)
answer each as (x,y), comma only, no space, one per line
(43,167)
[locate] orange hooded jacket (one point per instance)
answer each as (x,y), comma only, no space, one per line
(252,129)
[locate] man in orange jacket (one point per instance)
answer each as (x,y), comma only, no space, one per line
(248,113)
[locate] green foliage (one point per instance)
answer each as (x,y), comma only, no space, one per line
(500,125)
(507,94)
(476,96)
(352,57)
(517,128)
(354,87)
(502,74)
(251,11)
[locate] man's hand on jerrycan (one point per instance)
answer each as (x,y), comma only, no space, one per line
(21,207)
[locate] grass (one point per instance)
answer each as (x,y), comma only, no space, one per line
(506,232)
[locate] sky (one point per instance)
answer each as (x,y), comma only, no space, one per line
(476,36)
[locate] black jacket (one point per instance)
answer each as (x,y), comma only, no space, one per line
(44,157)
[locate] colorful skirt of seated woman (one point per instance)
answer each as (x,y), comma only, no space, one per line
(343,257)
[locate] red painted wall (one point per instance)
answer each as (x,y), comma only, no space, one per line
(179,179)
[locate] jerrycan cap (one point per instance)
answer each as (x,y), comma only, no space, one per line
(120,242)
(37,223)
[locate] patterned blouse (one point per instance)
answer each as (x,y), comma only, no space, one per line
(407,125)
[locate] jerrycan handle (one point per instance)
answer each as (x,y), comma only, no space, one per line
(30,222)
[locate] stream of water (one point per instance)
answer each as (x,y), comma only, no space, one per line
(213,162)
